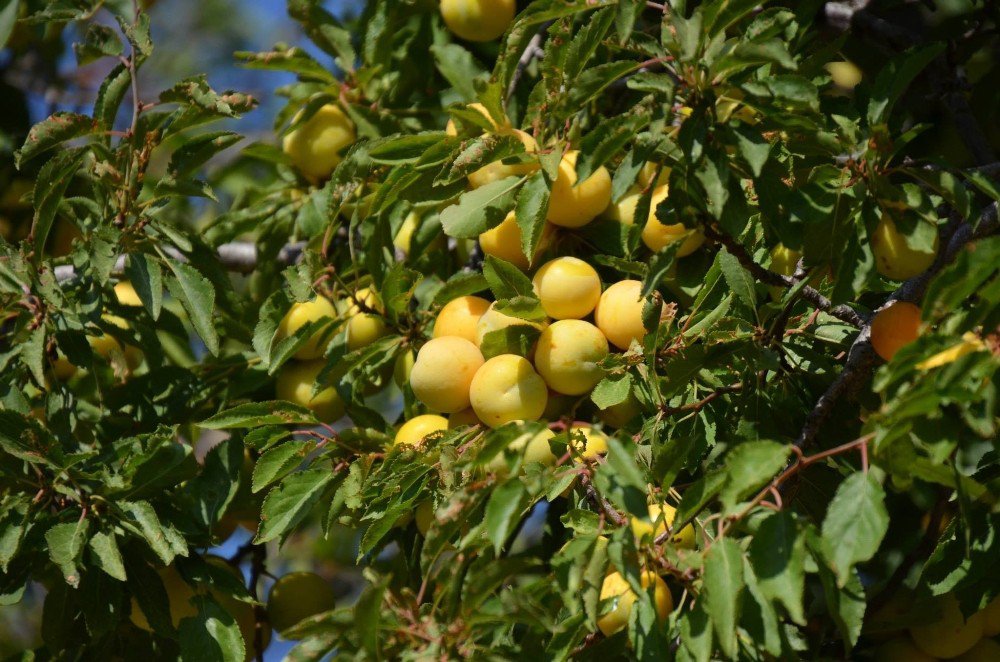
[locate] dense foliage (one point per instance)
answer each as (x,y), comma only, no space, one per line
(791,453)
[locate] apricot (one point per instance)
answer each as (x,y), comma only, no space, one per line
(494,172)
(622,598)
(504,242)
(532,448)
(991,618)
(784,261)
(656,235)
(126,294)
(845,75)
(364,328)
(952,634)
(573,204)
(619,313)
(594,444)
(314,146)
(623,211)
(893,258)
(494,320)
(452,130)
(106,345)
(661,517)
(460,317)
(463,418)
(301,314)
(621,414)
(478,20)
(424,517)
(443,373)
(894,327)
(295,384)
(647,172)
(901,649)
(296,597)
(418,427)
(568,354)
(985,650)
(567,287)
(506,389)
(179,594)
(402,367)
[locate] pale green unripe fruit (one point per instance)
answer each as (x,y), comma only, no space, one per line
(478,20)
(315,145)
(567,287)
(443,372)
(301,314)
(506,389)
(296,597)
(952,634)
(568,354)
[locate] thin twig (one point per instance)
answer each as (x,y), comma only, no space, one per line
(532,52)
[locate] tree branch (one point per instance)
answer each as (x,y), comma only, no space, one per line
(861,358)
(237,256)
(768,277)
(532,52)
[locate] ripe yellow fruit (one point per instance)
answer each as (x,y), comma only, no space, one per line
(295,384)
(364,328)
(661,517)
(297,596)
(460,317)
(315,145)
(403,241)
(647,172)
(478,20)
(106,345)
(179,594)
(402,368)
(951,635)
(623,211)
(784,260)
(418,427)
(617,589)
(425,517)
(443,373)
(894,327)
(991,619)
(62,369)
(504,242)
(568,354)
(506,389)
(494,172)
(619,313)
(573,204)
(568,288)
(845,74)
(986,650)
(901,649)
(301,314)
(493,320)
(532,448)
(893,258)
(656,235)
(463,418)
(126,294)
(452,130)
(594,444)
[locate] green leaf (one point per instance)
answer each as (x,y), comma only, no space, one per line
(100,41)
(50,186)
(294,60)
(739,279)
(405,148)
(895,77)
(33,354)
(107,555)
(612,390)
(532,208)
(278,462)
(855,523)
(505,280)
(8,18)
(846,605)
(65,542)
(257,414)
(52,132)
(195,151)
(503,511)
(759,618)
(13,524)
(777,553)
(459,68)
(289,503)
(164,540)
(110,96)
(724,591)
(146,276)
(696,634)
(595,80)
(211,635)
(197,295)
(460,284)
(517,339)
(621,480)
(481,209)
(754,149)
(367,616)
(749,467)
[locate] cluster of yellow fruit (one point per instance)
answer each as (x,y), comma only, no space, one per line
(293,598)
(451,376)
(363,325)
(951,637)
